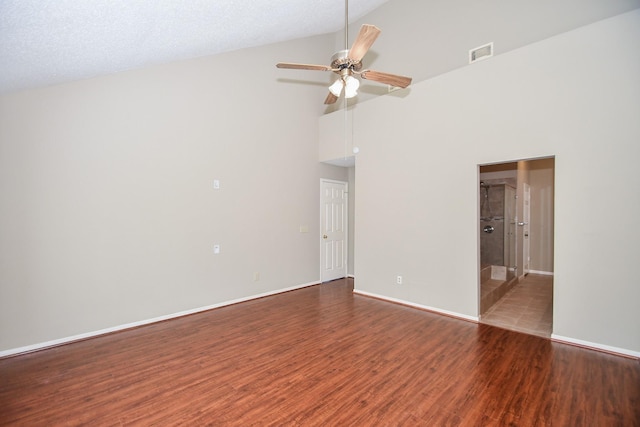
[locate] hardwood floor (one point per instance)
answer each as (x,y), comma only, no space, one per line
(319,356)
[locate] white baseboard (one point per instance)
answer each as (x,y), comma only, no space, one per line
(474,319)
(596,346)
(67,340)
(557,338)
(544,273)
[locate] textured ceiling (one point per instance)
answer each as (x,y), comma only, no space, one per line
(45,42)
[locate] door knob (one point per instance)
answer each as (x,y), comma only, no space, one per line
(325,236)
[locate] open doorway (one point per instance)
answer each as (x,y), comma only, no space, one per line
(516,245)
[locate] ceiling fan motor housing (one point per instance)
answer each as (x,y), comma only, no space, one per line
(347,63)
(341,61)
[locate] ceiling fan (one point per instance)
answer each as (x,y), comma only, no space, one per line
(347,64)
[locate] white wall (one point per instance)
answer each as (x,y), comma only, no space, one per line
(107,211)
(337,136)
(107,215)
(423,39)
(352,218)
(541,223)
(575,96)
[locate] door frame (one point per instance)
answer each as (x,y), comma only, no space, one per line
(520,220)
(346,225)
(526,229)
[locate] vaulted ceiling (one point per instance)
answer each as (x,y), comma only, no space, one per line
(44,42)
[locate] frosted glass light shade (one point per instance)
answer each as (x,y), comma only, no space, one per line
(351,85)
(336,87)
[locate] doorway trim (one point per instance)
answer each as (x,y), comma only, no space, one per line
(524,173)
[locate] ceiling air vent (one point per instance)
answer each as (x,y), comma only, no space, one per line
(480,53)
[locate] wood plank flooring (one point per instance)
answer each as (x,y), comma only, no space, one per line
(319,356)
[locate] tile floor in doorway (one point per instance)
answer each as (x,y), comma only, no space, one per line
(528,307)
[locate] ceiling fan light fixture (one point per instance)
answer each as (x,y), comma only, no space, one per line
(351,85)
(336,87)
(348,62)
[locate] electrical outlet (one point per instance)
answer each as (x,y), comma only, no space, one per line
(399,280)
(256,276)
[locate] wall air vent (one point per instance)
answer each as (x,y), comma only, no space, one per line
(481,52)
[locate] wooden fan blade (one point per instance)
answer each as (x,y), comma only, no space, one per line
(294,66)
(331,99)
(390,79)
(367,35)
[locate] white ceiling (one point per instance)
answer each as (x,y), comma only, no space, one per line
(44,42)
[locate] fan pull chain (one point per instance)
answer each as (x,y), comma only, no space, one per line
(346,131)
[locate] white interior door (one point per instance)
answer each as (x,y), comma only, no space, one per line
(333,229)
